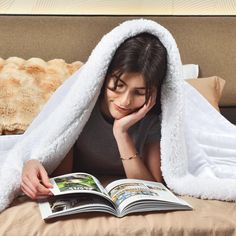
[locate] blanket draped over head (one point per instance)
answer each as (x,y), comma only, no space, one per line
(198,145)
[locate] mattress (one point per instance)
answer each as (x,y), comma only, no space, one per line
(209,217)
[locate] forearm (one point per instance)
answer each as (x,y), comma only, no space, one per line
(134,168)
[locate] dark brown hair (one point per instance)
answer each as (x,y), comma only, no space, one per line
(144,54)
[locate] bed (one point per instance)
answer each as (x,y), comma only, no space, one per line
(206,41)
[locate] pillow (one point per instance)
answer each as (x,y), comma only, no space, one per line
(25,86)
(190,71)
(211,88)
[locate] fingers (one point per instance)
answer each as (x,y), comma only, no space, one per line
(33,188)
(35,182)
(44,178)
(27,191)
(152,100)
(33,195)
(153,97)
(30,186)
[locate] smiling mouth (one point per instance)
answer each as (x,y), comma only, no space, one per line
(120,108)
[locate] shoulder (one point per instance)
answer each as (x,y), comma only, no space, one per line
(152,126)
(151,122)
(151,119)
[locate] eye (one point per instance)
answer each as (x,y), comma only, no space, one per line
(139,93)
(120,85)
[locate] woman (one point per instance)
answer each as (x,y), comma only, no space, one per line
(122,136)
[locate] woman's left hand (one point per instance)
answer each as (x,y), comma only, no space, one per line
(122,125)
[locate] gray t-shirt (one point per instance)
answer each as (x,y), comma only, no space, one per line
(96,151)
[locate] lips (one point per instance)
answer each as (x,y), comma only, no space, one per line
(120,109)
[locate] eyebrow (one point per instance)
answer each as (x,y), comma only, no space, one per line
(126,84)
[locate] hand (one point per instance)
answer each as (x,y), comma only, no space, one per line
(35,182)
(122,125)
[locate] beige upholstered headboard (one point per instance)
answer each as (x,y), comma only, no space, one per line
(207,41)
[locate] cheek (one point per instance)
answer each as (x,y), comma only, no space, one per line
(139,101)
(110,96)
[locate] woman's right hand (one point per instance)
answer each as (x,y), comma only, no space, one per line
(35,182)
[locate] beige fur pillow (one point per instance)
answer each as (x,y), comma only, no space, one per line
(25,86)
(210,87)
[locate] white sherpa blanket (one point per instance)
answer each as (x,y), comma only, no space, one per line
(198,145)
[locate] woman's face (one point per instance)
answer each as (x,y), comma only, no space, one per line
(127,98)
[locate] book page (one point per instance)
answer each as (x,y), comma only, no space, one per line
(72,204)
(77,183)
(126,191)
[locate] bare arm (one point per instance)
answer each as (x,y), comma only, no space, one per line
(152,160)
(65,166)
(136,168)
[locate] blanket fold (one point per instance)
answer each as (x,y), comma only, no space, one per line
(198,145)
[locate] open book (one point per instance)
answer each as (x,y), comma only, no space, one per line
(82,192)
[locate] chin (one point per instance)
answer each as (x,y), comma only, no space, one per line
(118,115)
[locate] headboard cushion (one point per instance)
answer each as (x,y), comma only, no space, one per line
(203,40)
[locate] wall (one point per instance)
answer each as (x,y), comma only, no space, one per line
(125,7)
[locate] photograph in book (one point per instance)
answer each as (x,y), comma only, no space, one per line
(81,192)
(76,182)
(123,192)
(63,203)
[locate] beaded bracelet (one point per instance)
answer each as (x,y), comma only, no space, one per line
(131,157)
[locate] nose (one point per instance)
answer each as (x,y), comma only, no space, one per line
(125,99)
